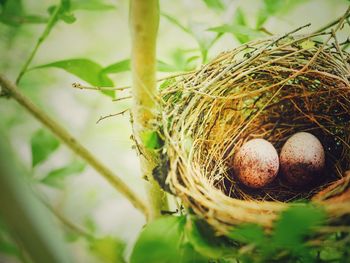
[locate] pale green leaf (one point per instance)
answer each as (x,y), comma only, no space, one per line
(56,177)
(215,4)
(43,144)
(108,249)
(275,7)
(85,69)
(120,66)
(91,5)
(159,241)
(242,33)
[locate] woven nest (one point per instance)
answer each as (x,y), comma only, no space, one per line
(267,89)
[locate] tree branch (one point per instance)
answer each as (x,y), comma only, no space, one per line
(144,20)
(11,90)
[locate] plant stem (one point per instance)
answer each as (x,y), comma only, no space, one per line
(333,23)
(11,90)
(144,20)
(53,19)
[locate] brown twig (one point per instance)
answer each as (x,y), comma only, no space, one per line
(111,115)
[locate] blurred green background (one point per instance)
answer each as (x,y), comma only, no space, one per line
(100,33)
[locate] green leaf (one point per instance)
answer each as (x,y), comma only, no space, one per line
(108,249)
(181,62)
(43,144)
(199,32)
(56,177)
(64,13)
(295,223)
(66,4)
(85,69)
(91,5)
(165,67)
(11,9)
(242,33)
(151,140)
(160,241)
(248,233)
(176,22)
(239,17)
(201,236)
(240,20)
(12,14)
(215,4)
(274,7)
(189,255)
(120,66)
(124,65)
(69,18)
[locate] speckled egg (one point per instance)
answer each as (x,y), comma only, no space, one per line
(256,163)
(302,159)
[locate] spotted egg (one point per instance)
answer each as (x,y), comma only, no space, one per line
(256,163)
(302,159)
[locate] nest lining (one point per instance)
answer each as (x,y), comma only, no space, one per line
(267,89)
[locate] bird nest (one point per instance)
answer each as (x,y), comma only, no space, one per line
(267,89)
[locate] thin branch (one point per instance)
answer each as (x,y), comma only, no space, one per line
(66,222)
(122,98)
(73,144)
(333,23)
(53,19)
(77,85)
(111,115)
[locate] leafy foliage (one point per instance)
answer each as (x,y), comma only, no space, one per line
(179,64)
(56,177)
(288,238)
(91,5)
(85,69)
(215,4)
(43,144)
(274,7)
(13,14)
(159,241)
(239,28)
(198,31)
(167,237)
(203,239)
(163,241)
(151,140)
(108,249)
(120,66)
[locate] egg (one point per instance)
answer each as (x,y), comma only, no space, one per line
(256,163)
(302,159)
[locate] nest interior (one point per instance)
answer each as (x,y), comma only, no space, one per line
(269,89)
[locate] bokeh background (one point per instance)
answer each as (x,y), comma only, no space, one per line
(85,198)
